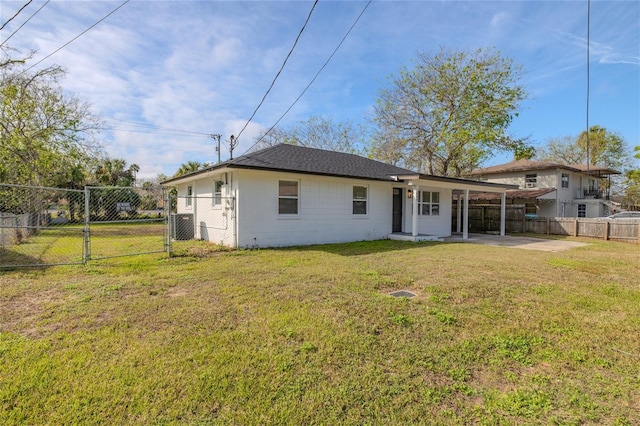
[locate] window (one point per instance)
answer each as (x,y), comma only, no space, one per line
(189,196)
(217,193)
(582,210)
(565,180)
(530,180)
(288,197)
(359,200)
(428,203)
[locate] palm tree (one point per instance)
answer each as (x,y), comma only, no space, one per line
(189,167)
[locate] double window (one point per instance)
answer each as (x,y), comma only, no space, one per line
(582,210)
(428,203)
(288,197)
(565,180)
(360,198)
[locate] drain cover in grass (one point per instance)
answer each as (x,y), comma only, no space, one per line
(402,293)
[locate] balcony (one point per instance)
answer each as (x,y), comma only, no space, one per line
(593,193)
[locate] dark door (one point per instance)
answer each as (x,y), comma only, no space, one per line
(397,210)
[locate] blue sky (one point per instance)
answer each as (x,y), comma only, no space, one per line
(203,66)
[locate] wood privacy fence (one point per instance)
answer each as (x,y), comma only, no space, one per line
(486,218)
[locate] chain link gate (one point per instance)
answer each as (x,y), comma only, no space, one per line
(116,225)
(41,226)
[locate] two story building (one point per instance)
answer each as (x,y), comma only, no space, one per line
(549,189)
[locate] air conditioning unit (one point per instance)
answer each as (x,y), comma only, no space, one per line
(182,226)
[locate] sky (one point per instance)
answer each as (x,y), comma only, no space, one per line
(165,75)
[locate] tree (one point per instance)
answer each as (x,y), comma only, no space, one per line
(562,150)
(604,148)
(114,172)
(632,183)
(318,132)
(44,133)
(449,113)
(190,167)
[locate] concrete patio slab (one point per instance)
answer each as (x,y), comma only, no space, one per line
(525,243)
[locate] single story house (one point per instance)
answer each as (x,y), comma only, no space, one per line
(289,195)
(548,189)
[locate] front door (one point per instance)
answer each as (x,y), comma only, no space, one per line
(397,210)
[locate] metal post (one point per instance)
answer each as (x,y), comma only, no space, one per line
(87,230)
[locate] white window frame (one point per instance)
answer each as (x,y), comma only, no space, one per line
(531,180)
(355,200)
(429,205)
(217,193)
(189,199)
(564,180)
(289,197)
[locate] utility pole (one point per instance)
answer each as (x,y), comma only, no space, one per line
(217,136)
(232,144)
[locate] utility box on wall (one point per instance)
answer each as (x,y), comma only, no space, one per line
(182,226)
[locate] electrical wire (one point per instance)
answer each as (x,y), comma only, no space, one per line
(153,126)
(17,13)
(313,79)
(24,23)
(77,37)
(281,68)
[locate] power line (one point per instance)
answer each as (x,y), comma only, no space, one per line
(77,37)
(17,13)
(153,126)
(313,79)
(24,23)
(281,68)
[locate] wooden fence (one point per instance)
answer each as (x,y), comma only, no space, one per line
(486,218)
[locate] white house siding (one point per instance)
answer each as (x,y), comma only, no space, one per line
(325,210)
(214,223)
(439,225)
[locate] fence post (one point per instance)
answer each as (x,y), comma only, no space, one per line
(548,226)
(575,228)
(606,231)
(86,230)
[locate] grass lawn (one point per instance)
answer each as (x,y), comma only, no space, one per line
(309,336)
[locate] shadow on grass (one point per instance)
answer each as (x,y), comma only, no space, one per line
(11,260)
(360,248)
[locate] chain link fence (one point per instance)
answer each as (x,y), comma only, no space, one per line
(42,226)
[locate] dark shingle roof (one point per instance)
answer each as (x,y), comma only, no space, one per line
(300,159)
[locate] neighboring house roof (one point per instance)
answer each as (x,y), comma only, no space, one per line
(513,194)
(529,165)
(300,159)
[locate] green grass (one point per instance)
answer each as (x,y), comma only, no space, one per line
(310,336)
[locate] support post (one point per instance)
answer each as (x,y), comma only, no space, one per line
(414,209)
(503,214)
(465,225)
(459,214)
